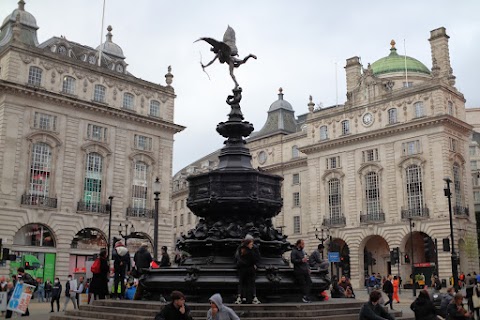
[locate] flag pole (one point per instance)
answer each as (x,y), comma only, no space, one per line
(101,36)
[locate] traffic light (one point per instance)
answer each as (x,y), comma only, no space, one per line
(395,256)
(407,258)
(446,244)
(428,248)
(28,266)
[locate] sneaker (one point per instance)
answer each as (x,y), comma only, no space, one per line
(255,300)
(306,300)
(239,300)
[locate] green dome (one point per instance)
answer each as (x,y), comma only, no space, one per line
(396,63)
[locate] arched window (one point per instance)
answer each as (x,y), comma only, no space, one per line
(345,127)
(415,200)
(392,116)
(99,93)
(128,101)
(139,188)
(458,186)
(323,133)
(40,170)
(34,234)
(419,112)
(295,152)
(92,187)
(68,85)
(35,76)
(372,194)
(334,199)
(155,108)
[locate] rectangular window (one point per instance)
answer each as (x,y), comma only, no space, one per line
(155,108)
(296,199)
(450,108)
(296,225)
(35,76)
(370,155)
(96,133)
(296,178)
(333,162)
(392,116)
(345,127)
(475,180)
(175,221)
(476,196)
(189,218)
(181,204)
(323,133)
(472,150)
(411,147)
(175,205)
(419,112)
(99,93)
(473,165)
(143,143)
(44,121)
(181,220)
(453,143)
(128,101)
(68,85)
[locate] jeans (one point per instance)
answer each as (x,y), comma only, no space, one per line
(70,298)
(247,284)
(40,295)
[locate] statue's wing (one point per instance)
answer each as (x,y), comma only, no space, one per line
(230,39)
(217,46)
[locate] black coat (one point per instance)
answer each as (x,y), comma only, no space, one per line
(121,264)
(249,259)
(56,290)
(388,287)
(169,312)
(296,257)
(142,259)
(99,284)
(454,313)
(165,261)
(423,309)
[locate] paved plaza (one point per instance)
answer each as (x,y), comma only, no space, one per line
(41,311)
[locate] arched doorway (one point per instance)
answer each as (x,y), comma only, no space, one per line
(343,266)
(86,244)
(423,257)
(376,256)
(34,247)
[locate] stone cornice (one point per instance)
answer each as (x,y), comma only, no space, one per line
(94,69)
(445,120)
(90,105)
(294,163)
(176,194)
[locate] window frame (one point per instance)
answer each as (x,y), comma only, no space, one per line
(345,127)
(147,145)
(297,225)
(323,133)
(68,85)
(414,187)
(155,104)
(295,152)
(128,101)
(296,178)
(392,116)
(35,75)
(419,109)
(46,157)
(93,178)
(372,194)
(99,93)
(296,199)
(334,199)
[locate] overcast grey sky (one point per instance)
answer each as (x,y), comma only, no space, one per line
(297,43)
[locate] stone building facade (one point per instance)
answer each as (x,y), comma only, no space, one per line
(76,128)
(361,174)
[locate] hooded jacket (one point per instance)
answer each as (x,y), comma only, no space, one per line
(121,260)
(224,312)
(423,309)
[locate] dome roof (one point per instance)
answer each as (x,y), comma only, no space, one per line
(280,103)
(26,18)
(396,63)
(109,47)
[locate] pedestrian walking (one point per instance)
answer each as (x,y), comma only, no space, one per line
(56,293)
(9,287)
(175,310)
(48,290)
(100,269)
(121,266)
(69,295)
(423,307)
(247,257)
(24,277)
(396,289)
(219,311)
(371,283)
(40,290)
(301,269)
(372,310)
(142,261)
(388,289)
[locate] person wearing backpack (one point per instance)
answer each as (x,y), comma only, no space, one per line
(121,266)
(100,269)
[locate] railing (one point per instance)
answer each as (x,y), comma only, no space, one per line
(372,217)
(93,207)
(335,222)
(415,213)
(39,201)
(460,211)
(140,213)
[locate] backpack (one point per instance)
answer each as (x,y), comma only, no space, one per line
(372,281)
(96,266)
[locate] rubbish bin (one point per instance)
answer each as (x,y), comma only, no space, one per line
(444,283)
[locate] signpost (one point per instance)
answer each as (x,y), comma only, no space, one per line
(334,257)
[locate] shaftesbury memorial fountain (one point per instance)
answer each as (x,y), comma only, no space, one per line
(232,201)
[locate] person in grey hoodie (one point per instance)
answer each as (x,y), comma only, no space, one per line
(219,311)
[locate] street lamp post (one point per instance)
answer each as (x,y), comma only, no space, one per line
(320,238)
(127,235)
(412,261)
(156,191)
(109,227)
(448,194)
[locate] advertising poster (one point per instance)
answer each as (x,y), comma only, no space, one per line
(3,301)
(21,297)
(83,300)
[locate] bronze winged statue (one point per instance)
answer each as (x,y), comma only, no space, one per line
(226,52)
